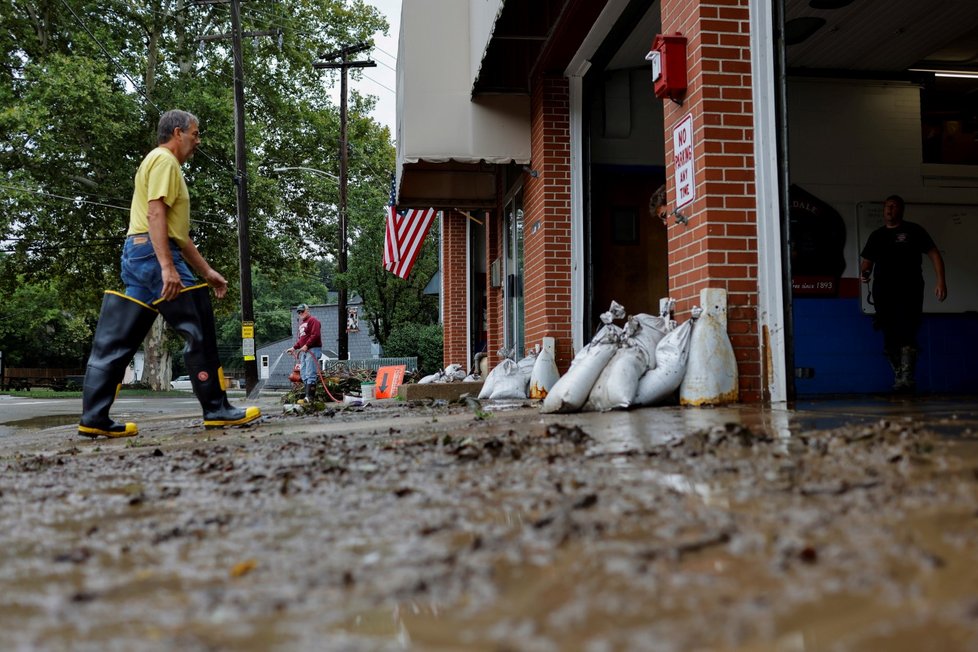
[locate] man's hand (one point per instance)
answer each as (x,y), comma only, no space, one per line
(218,282)
(940,291)
(290,350)
(171,283)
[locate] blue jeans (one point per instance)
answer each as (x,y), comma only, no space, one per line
(310,364)
(141,272)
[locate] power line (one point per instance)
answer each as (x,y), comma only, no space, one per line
(384,86)
(125,74)
(42,193)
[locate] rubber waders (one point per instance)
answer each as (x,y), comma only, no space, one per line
(192,315)
(122,324)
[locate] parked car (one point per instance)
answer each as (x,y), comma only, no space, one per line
(181,382)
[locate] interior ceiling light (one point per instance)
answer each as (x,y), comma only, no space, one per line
(797,30)
(829,4)
(964,74)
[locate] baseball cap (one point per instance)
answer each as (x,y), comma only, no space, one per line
(301,307)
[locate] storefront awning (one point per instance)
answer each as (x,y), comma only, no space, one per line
(447,140)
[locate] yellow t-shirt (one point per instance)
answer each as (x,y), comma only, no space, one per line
(159,177)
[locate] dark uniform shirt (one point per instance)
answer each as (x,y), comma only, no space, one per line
(896,253)
(898,282)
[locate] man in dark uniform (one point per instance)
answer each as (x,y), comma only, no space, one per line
(892,254)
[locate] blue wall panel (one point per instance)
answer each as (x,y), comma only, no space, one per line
(836,340)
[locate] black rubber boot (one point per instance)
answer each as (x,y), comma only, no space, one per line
(310,392)
(192,315)
(893,357)
(122,324)
(908,369)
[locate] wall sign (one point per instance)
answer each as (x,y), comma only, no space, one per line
(682,152)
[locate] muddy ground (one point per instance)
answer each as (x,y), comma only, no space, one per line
(451,527)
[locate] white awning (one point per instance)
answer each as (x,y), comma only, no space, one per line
(438,120)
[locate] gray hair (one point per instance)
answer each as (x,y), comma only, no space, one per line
(174,119)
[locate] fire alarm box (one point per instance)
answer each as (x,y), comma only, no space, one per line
(668,58)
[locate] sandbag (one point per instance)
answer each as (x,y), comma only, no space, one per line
(616,385)
(545,374)
(488,384)
(671,356)
(453,373)
(651,330)
(526,368)
(570,392)
(509,381)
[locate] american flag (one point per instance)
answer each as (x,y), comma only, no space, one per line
(404,236)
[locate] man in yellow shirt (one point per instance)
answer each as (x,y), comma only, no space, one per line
(156,262)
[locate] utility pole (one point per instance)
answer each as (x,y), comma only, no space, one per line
(342,337)
(241,182)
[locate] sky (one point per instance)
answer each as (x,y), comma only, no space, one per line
(380,81)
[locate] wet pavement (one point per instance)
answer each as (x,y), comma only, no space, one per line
(834,525)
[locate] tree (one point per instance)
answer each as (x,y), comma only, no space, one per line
(82,84)
(36,330)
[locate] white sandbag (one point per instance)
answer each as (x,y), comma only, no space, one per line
(671,356)
(432,378)
(453,373)
(488,384)
(545,374)
(472,378)
(570,392)
(508,382)
(650,332)
(616,386)
(526,368)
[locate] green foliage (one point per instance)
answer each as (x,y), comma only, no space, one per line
(82,84)
(422,340)
(37,331)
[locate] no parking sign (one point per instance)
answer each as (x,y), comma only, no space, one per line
(682,153)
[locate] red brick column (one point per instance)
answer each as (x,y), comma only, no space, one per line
(718,248)
(454,289)
(494,295)
(547,225)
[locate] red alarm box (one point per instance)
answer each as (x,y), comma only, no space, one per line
(668,58)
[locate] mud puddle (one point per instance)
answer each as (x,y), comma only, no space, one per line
(428,528)
(40,423)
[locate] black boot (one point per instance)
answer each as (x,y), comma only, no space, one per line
(122,324)
(908,369)
(310,392)
(192,315)
(893,357)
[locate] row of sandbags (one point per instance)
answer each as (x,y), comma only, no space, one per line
(453,373)
(640,364)
(529,377)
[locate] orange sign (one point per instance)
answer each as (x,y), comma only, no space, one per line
(388,381)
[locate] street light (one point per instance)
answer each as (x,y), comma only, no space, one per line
(342,337)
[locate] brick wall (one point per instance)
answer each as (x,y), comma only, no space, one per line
(718,246)
(494,296)
(547,225)
(454,288)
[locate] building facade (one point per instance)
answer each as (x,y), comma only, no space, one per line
(536,128)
